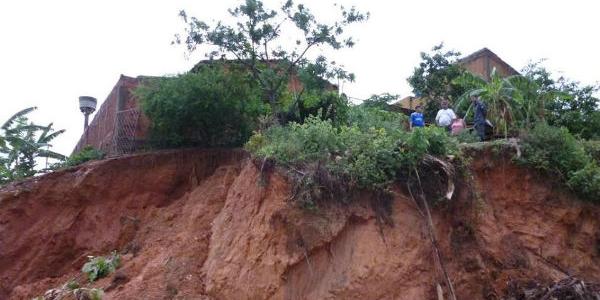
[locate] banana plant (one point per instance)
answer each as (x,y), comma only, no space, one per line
(21,143)
(499,94)
(533,99)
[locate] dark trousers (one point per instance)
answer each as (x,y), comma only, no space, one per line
(480,129)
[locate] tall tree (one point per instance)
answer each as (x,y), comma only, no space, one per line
(568,103)
(258,41)
(433,78)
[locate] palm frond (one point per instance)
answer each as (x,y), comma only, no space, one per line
(45,131)
(14,117)
(48,138)
(51,154)
(24,128)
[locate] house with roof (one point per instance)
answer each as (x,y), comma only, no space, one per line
(480,63)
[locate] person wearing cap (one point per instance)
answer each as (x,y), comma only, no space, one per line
(445,116)
(416,118)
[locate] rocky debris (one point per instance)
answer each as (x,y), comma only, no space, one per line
(569,288)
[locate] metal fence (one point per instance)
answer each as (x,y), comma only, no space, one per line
(124,137)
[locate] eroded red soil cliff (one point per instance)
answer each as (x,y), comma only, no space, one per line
(198,224)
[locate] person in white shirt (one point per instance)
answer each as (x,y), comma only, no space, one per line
(445,116)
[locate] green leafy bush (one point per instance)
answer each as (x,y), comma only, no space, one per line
(368,117)
(214,107)
(467,136)
(558,152)
(86,154)
(593,149)
(98,267)
(586,182)
(369,153)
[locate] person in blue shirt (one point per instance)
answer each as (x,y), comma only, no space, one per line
(416,118)
(480,111)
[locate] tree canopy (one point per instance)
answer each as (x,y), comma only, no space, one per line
(258,40)
(433,78)
(572,104)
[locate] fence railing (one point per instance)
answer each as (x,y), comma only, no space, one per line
(124,137)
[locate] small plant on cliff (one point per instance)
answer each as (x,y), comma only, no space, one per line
(86,154)
(558,152)
(92,294)
(98,267)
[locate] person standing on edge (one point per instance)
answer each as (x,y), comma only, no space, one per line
(480,111)
(416,118)
(445,116)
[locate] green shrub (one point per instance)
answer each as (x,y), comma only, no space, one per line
(71,285)
(593,149)
(467,136)
(586,182)
(369,117)
(371,152)
(558,152)
(98,267)
(211,108)
(554,149)
(86,154)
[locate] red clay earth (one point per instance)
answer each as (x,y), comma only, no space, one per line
(197,224)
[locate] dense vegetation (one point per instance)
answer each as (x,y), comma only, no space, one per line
(558,153)
(570,104)
(369,152)
(515,103)
(213,107)
(433,79)
(259,41)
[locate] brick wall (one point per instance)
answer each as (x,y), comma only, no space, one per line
(101,132)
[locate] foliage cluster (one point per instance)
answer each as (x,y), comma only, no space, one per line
(101,266)
(315,96)
(516,103)
(592,148)
(381,101)
(558,152)
(368,153)
(573,105)
(260,42)
(216,106)
(433,79)
(21,143)
(467,136)
(86,154)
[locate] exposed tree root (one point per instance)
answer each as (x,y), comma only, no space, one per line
(438,257)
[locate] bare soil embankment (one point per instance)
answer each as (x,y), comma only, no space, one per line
(197,224)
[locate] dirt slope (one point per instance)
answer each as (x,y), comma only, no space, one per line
(197,224)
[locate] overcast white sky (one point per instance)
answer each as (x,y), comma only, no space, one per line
(54,51)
